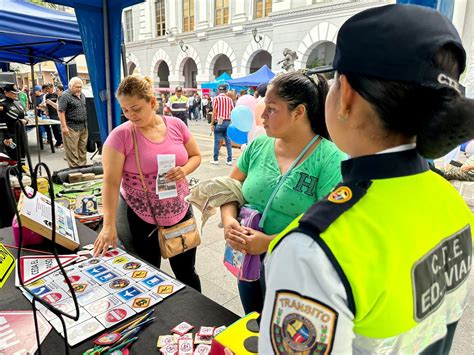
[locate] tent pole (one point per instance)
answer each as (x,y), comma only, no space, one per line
(124,60)
(38,136)
(107,64)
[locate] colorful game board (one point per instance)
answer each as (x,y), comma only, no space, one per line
(109,290)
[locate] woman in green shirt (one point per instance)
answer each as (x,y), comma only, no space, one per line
(293,117)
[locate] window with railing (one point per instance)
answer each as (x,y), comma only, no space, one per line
(160,17)
(221,14)
(262,8)
(188,15)
(128,26)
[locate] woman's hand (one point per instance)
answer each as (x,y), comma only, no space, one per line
(175,174)
(467,168)
(232,232)
(254,242)
(106,238)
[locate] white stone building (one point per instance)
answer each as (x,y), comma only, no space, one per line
(188,42)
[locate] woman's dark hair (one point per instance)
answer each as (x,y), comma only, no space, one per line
(439,117)
(298,89)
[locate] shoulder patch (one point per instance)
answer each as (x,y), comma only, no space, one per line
(342,198)
(301,324)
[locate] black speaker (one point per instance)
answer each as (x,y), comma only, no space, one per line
(93,142)
(71,71)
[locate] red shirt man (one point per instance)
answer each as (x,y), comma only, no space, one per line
(222,106)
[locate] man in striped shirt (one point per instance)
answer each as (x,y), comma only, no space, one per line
(222,106)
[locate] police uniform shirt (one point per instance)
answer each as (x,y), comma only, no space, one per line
(306,302)
(299,266)
(12,112)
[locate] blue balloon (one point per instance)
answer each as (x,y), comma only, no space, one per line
(236,136)
(242,118)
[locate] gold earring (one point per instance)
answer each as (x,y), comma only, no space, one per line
(344,117)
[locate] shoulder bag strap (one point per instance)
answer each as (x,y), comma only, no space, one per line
(145,188)
(283,178)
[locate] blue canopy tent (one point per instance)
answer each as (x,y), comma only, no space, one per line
(263,75)
(222,79)
(30,34)
(100,25)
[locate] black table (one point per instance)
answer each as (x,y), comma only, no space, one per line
(185,305)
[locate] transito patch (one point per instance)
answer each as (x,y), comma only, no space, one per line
(301,324)
(341,195)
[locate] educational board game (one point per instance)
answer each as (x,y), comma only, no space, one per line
(109,290)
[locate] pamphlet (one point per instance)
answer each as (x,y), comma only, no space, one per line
(165,189)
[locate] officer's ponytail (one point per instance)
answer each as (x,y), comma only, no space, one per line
(440,118)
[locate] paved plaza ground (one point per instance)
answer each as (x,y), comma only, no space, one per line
(217,283)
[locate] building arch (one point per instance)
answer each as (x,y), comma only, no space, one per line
(253,48)
(159,56)
(323,32)
(219,48)
(180,61)
(132,59)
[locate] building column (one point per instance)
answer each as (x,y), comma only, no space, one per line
(144,22)
(201,13)
(238,14)
(172,16)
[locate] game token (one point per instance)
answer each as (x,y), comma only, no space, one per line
(218,330)
(202,340)
(206,331)
(164,340)
(182,328)
(202,349)
(185,346)
(170,349)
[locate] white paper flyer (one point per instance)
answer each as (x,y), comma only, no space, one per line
(165,189)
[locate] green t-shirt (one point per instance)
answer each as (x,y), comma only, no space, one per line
(308,182)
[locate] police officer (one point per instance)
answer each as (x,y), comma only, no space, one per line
(381,264)
(11,110)
(178,104)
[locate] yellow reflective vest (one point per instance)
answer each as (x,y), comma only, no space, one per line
(399,237)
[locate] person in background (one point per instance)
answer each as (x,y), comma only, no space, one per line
(205,105)
(262,91)
(59,90)
(155,135)
(232,95)
(222,106)
(190,106)
(197,107)
(11,111)
(294,122)
(73,116)
(51,105)
(178,104)
(23,97)
(382,264)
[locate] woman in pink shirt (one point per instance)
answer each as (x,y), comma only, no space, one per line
(156,135)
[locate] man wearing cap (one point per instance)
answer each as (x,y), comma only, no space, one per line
(178,104)
(222,106)
(381,264)
(11,110)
